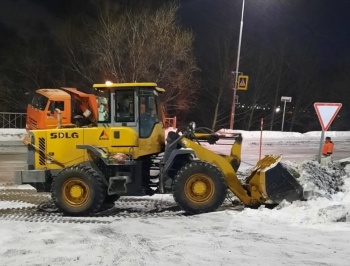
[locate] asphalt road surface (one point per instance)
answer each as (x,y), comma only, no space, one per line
(13,157)
(8,164)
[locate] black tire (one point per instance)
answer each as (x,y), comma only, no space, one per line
(209,182)
(85,183)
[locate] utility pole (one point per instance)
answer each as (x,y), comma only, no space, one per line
(232,119)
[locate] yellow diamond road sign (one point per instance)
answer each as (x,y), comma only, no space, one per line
(242,83)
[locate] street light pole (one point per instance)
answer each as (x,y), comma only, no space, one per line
(237,68)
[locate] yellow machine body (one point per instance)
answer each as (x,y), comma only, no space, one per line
(52,144)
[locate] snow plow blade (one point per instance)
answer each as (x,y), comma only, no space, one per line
(274,182)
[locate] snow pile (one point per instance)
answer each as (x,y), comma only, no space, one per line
(318,180)
(322,180)
(317,210)
(326,190)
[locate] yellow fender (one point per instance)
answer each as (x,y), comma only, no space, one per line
(224,165)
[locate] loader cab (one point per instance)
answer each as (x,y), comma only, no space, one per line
(133,105)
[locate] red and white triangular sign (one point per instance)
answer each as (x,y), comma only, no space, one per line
(326,112)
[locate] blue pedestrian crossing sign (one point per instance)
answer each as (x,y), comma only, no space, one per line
(242,83)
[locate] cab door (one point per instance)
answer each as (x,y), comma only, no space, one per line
(51,113)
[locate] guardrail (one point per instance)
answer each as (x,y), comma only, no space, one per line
(12,120)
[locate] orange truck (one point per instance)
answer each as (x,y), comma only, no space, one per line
(66,107)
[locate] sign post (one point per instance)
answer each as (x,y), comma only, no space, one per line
(285,99)
(320,147)
(326,113)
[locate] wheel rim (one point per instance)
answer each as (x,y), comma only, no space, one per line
(75,192)
(199,188)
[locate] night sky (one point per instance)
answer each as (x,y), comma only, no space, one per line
(317,27)
(324,24)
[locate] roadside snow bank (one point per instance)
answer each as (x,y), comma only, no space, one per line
(11,134)
(283,135)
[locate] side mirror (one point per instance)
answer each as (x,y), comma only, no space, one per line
(52,107)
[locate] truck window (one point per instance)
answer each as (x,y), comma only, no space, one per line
(39,101)
(59,105)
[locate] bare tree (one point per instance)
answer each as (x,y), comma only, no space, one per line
(282,71)
(217,83)
(305,68)
(258,95)
(128,45)
(26,67)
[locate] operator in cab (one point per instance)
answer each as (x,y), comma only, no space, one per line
(124,113)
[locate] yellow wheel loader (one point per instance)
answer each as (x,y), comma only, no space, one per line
(84,167)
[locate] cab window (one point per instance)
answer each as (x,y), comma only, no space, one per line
(59,105)
(125,106)
(56,105)
(103,103)
(39,101)
(149,115)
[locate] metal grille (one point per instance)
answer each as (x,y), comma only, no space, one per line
(32,123)
(42,147)
(12,120)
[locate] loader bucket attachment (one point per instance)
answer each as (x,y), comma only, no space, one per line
(281,185)
(271,183)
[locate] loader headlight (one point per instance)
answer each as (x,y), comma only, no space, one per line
(192,126)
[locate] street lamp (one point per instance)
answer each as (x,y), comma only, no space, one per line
(236,75)
(285,99)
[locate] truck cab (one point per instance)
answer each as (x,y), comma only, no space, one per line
(41,110)
(66,107)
